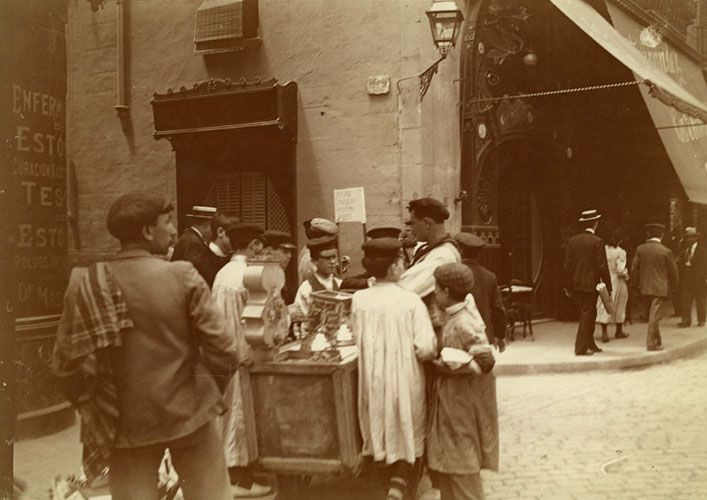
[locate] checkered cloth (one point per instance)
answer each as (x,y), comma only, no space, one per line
(455,276)
(98,316)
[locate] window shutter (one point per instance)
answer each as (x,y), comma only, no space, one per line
(223,25)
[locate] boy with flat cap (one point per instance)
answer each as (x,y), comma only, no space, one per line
(313,229)
(360,281)
(230,295)
(147,332)
(463,429)
(325,258)
(485,289)
(654,271)
(394,335)
(278,244)
(197,236)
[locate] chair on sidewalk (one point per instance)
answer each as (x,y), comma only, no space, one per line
(518,300)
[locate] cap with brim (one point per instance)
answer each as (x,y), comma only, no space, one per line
(384,232)
(242,232)
(382,248)
(202,212)
(589,215)
(469,241)
(129,213)
(456,277)
(429,207)
(322,244)
(278,239)
(691,232)
(655,225)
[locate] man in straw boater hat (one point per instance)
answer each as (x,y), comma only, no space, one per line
(585,267)
(218,251)
(654,272)
(146,354)
(197,236)
(692,267)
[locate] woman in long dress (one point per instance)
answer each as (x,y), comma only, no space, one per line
(616,259)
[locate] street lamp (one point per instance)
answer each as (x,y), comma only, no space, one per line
(445,21)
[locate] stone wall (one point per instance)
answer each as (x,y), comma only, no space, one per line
(393,145)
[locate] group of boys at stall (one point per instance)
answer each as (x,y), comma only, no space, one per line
(425,348)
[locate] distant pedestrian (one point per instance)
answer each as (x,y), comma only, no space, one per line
(584,268)
(217,253)
(654,272)
(692,268)
(463,428)
(144,351)
(616,260)
(394,335)
(485,289)
(197,236)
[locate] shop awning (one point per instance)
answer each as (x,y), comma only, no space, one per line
(679,110)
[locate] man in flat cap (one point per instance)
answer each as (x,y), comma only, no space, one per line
(654,272)
(230,295)
(692,268)
(485,289)
(325,257)
(427,224)
(585,267)
(313,229)
(197,236)
(149,334)
(217,253)
(394,335)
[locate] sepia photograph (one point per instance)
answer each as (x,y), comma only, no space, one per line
(353,249)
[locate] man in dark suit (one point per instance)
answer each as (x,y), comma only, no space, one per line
(692,267)
(655,274)
(196,238)
(211,259)
(585,266)
(485,290)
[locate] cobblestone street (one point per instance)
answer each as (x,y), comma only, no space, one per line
(620,434)
(630,434)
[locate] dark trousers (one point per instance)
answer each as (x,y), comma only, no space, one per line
(197,458)
(460,487)
(656,310)
(692,289)
(587,303)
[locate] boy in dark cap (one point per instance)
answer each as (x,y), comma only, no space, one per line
(278,244)
(170,352)
(196,237)
(485,289)
(230,295)
(360,281)
(654,271)
(212,258)
(463,431)
(325,258)
(313,229)
(394,335)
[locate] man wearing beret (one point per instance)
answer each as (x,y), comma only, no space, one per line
(485,289)
(584,267)
(654,271)
(427,224)
(313,229)
(148,333)
(212,258)
(196,237)
(230,295)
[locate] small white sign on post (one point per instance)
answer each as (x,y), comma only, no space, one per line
(350,205)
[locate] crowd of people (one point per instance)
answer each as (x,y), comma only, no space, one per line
(653,277)
(151,348)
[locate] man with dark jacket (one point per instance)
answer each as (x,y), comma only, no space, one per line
(197,236)
(585,266)
(148,332)
(653,270)
(217,253)
(485,289)
(692,267)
